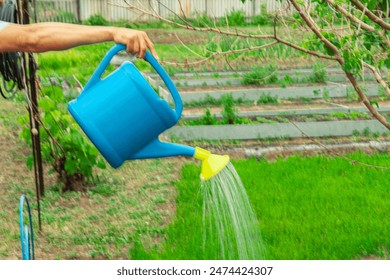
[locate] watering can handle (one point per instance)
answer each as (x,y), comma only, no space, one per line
(96,76)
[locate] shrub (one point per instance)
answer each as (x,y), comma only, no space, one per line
(70,154)
(96,20)
(264,18)
(236,18)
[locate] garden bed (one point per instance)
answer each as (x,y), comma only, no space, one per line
(323,112)
(283,77)
(301,91)
(277,130)
(321,105)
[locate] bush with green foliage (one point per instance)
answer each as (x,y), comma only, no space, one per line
(264,18)
(236,18)
(63,145)
(96,20)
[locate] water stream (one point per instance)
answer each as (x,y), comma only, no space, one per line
(229,222)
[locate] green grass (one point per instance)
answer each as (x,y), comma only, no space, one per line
(308,208)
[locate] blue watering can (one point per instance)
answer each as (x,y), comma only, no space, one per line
(123,116)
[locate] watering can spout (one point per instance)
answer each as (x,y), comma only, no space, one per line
(157,149)
(211,164)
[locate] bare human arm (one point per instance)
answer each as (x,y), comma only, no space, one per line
(52,36)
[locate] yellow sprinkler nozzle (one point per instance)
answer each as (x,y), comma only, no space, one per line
(211,164)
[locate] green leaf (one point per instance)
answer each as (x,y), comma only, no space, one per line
(46,104)
(387,63)
(70,166)
(101,163)
(30,162)
(374,102)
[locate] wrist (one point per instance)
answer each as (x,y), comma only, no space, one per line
(109,33)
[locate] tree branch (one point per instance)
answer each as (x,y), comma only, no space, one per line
(366,102)
(190,26)
(378,77)
(315,29)
(320,55)
(214,54)
(311,24)
(350,16)
(299,48)
(370,14)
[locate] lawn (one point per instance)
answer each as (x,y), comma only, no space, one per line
(308,208)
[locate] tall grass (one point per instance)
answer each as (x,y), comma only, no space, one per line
(308,208)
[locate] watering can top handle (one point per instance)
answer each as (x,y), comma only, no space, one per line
(96,76)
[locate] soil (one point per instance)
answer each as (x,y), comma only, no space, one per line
(185,90)
(282,105)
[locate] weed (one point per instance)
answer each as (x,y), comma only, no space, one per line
(208,100)
(324,92)
(366,132)
(326,95)
(229,112)
(282,119)
(355,115)
(287,80)
(208,118)
(267,98)
(264,120)
(103,189)
(319,74)
(356,133)
(159,199)
(382,94)
(260,76)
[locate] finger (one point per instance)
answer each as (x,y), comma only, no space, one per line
(151,48)
(142,48)
(135,47)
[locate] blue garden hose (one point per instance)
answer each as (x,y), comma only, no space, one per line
(26,233)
